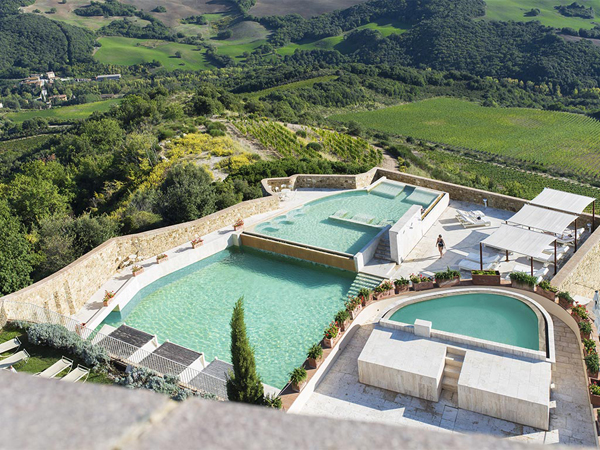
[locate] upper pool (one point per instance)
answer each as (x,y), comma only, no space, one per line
(492,317)
(288,303)
(347,221)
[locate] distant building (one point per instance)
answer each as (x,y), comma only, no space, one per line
(60,98)
(50,76)
(116,76)
(33,79)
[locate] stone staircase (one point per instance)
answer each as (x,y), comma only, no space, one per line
(454,362)
(363,280)
(383,252)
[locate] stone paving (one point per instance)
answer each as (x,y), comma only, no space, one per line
(340,395)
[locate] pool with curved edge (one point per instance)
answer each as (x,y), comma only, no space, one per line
(492,317)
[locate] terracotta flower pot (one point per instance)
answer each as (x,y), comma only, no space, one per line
(315,363)
(344,325)
(486,280)
(162,260)
(564,303)
(401,288)
(238,227)
(138,272)
(366,301)
(550,295)
(105,302)
(523,286)
(330,342)
(423,285)
(197,244)
(355,312)
(298,387)
(448,283)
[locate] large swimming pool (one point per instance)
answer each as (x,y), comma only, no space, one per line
(288,303)
(492,317)
(347,221)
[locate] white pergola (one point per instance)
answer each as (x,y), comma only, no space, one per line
(542,219)
(519,240)
(566,202)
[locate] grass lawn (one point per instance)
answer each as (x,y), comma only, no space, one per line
(515,10)
(66,112)
(128,51)
(43,357)
(568,141)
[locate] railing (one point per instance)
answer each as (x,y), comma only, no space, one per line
(117,349)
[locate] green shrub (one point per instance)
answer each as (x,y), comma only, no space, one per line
(298,375)
(585,327)
(315,351)
(401,281)
(590,345)
(523,278)
(342,315)
(273,402)
(581,312)
(547,286)
(58,337)
(314,146)
(566,297)
(364,292)
(484,272)
(301,133)
(447,274)
(591,361)
(595,390)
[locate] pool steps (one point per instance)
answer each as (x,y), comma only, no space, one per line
(383,251)
(387,190)
(363,280)
(359,219)
(453,364)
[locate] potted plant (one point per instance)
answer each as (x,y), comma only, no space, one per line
(162,258)
(197,242)
(598,422)
(485,277)
(521,280)
(330,335)
(447,278)
(579,313)
(108,295)
(238,225)
(565,300)
(585,329)
(273,402)
(354,307)
(592,364)
(421,282)
(315,356)
(589,346)
(595,395)
(298,378)
(343,319)
(137,270)
(365,295)
(545,289)
(401,285)
(385,289)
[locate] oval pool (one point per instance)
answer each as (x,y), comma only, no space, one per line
(492,317)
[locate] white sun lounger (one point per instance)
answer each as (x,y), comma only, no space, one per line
(468,265)
(487,259)
(14,359)
(559,249)
(56,368)
(539,273)
(568,236)
(10,345)
(77,374)
(469,220)
(548,258)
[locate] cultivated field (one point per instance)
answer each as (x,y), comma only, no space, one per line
(567,141)
(516,9)
(65,113)
(129,51)
(306,8)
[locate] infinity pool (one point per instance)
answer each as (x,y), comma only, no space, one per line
(491,317)
(288,303)
(346,222)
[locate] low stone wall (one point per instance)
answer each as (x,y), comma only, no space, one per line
(67,290)
(301,181)
(581,274)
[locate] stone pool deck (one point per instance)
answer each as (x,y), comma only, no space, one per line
(340,395)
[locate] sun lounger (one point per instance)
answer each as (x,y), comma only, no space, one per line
(487,259)
(568,236)
(9,345)
(14,359)
(77,374)
(468,265)
(539,273)
(548,258)
(56,368)
(340,213)
(468,220)
(559,249)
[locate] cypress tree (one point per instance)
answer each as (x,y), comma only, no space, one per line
(244,384)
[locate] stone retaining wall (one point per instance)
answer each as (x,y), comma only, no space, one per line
(67,290)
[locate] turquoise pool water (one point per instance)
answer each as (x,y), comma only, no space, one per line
(360,216)
(485,316)
(288,303)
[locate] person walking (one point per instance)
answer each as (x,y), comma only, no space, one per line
(440,245)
